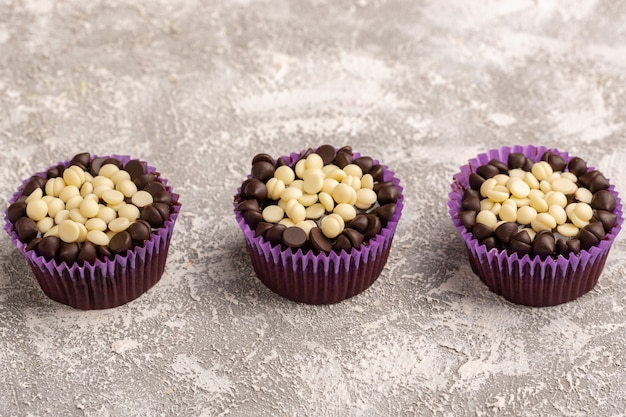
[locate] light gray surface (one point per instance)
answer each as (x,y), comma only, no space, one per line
(197,88)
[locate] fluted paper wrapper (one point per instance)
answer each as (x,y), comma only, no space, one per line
(102,284)
(530,280)
(320,278)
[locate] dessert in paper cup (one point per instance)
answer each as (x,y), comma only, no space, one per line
(94,230)
(538,223)
(318,224)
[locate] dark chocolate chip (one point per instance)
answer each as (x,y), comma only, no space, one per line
(521,243)
(471,203)
(603,200)
(379,185)
(574,245)
(35,182)
(577,166)
(342,242)
(389,194)
(607,219)
(591,235)
(16,210)
(95,165)
(544,243)
(113,161)
(142,181)
(377,172)
(327,153)
(294,237)
(487,171)
(481,231)
(365,163)
(104,252)
(274,235)
(373,226)
(254,188)
(82,160)
(140,231)
(253,218)
(152,215)
(163,197)
(347,149)
(557,162)
(516,160)
(386,212)
(468,218)
(69,253)
(32,245)
(283,161)
(490,242)
(356,238)
(49,247)
(528,165)
(251,204)
(475,181)
(502,168)
(587,178)
(306,153)
(26,229)
(163,209)
(88,252)
(262,227)
(359,223)
(262,157)
(561,248)
(120,242)
(263,170)
(154,188)
(505,231)
(56,171)
(598,183)
(342,159)
(319,241)
(135,168)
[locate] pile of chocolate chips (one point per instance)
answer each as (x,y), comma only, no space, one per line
(253,199)
(150,217)
(516,238)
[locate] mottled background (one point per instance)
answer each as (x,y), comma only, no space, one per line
(197,88)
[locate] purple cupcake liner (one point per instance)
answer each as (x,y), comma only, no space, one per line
(320,278)
(530,280)
(102,284)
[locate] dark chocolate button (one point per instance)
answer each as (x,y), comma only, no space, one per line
(327,153)
(135,168)
(365,163)
(16,210)
(505,232)
(356,238)
(319,241)
(26,229)
(140,231)
(516,160)
(49,247)
(603,200)
(294,237)
(263,170)
(274,235)
(544,244)
(120,242)
(88,252)
(69,253)
(577,166)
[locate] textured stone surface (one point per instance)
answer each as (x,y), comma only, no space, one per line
(197,88)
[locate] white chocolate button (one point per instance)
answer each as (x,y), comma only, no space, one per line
(367,181)
(126,187)
(120,176)
(273,214)
(499,193)
(313,180)
(541,170)
(306,225)
(315,211)
(96,224)
(61,215)
(108,170)
(300,168)
(558,213)
(564,185)
(539,204)
(89,208)
(342,193)
(113,197)
(119,224)
(36,194)
(583,195)
(567,230)
(327,201)
(508,212)
(346,211)
(314,161)
(45,224)
(106,213)
(526,214)
(519,188)
(296,212)
(74,202)
(68,231)
(329,185)
(140,199)
(332,225)
(98,237)
(285,174)
(77,216)
(308,200)
(74,176)
(37,209)
(365,198)
(130,211)
(543,221)
(291,193)
(487,218)
(275,187)
(486,186)
(55,205)
(353,170)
